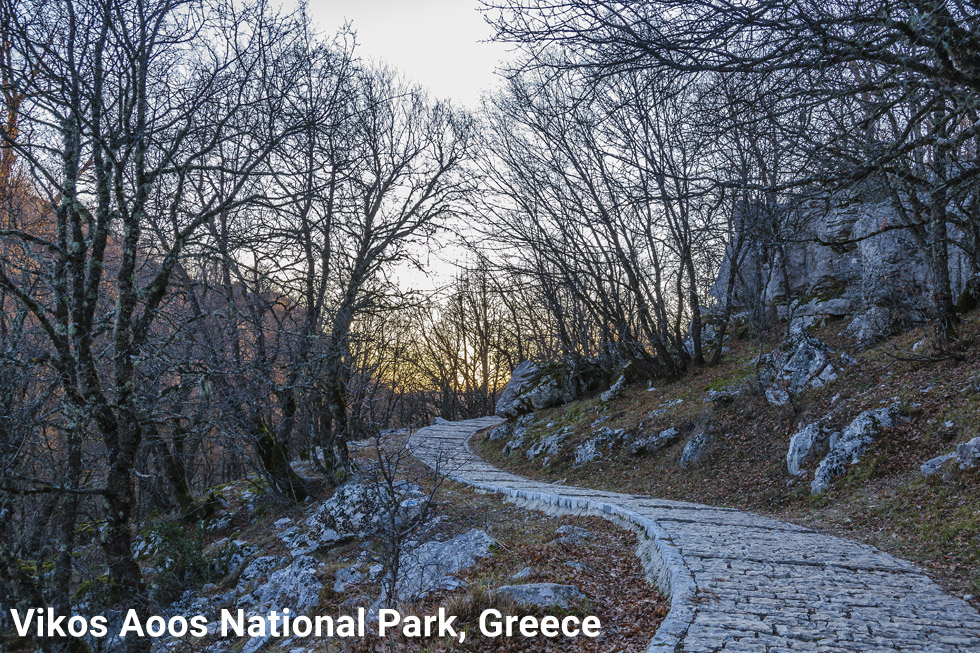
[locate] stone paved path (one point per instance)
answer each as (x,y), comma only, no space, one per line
(741,582)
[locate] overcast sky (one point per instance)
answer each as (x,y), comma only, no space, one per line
(440,44)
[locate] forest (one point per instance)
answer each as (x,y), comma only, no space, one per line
(213,218)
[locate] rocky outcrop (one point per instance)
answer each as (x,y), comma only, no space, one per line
(847,447)
(854,263)
(697,447)
(600,443)
(655,441)
(966,456)
(808,443)
(801,363)
(534,386)
(433,566)
(542,595)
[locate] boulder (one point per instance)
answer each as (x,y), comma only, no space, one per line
(530,388)
(802,362)
(542,595)
(355,509)
(655,441)
(808,443)
(847,447)
(432,566)
(535,387)
(696,448)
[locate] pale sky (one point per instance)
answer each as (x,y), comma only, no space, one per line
(441,44)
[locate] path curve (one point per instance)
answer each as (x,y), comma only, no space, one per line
(738,581)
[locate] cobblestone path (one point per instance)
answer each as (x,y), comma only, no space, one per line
(738,581)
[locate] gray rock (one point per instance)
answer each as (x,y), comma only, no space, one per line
(655,441)
(602,442)
(529,388)
(847,447)
(431,566)
(806,444)
(696,448)
(542,595)
(346,577)
(295,587)
(257,570)
(934,465)
(614,390)
(355,509)
(968,453)
(547,446)
(802,362)
(518,434)
(874,324)
(527,572)
(298,541)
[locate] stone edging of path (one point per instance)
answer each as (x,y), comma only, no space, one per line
(661,559)
(740,581)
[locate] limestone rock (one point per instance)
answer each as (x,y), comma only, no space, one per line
(354,509)
(968,454)
(654,441)
(602,442)
(431,566)
(935,465)
(614,390)
(346,577)
(530,388)
(357,509)
(295,587)
(696,448)
(802,362)
(872,325)
(806,444)
(547,446)
(848,447)
(542,595)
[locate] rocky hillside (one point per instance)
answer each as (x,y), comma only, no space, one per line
(459,549)
(878,442)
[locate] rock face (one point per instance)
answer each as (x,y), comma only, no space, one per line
(432,565)
(847,447)
(542,595)
(852,263)
(802,362)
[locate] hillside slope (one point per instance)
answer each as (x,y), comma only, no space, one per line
(737,443)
